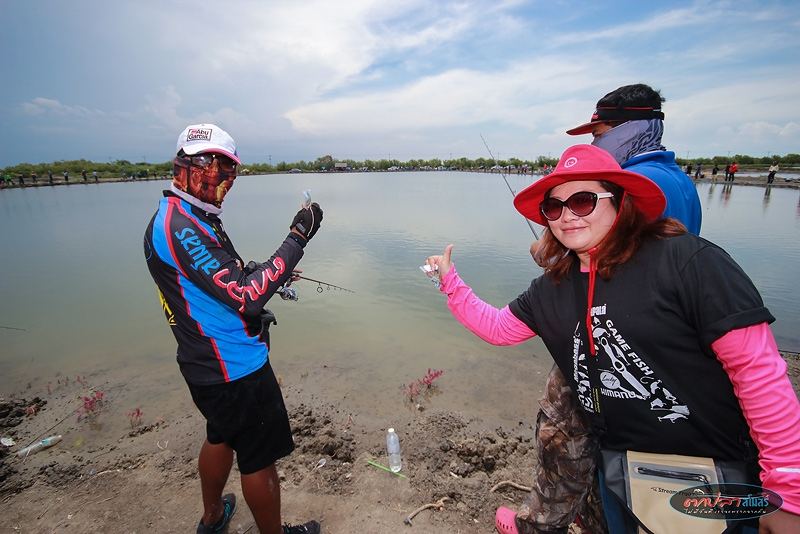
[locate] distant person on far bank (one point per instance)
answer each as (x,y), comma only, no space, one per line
(83,174)
(214,304)
(714,172)
(50,176)
(773,170)
(66,177)
(733,170)
(698,172)
(94,175)
(727,171)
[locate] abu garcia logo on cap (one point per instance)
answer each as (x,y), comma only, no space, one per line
(199,134)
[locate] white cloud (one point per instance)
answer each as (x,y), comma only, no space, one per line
(744,117)
(527,95)
(668,20)
(317,45)
(44,106)
(762,130)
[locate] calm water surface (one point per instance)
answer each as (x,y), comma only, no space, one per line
(74,277)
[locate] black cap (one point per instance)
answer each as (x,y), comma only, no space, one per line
(627,103)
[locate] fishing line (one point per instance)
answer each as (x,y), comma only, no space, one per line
(13,328)
(513,193)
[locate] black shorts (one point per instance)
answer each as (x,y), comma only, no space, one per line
(249,416)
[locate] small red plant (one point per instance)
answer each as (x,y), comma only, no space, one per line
(91,405)
(432,375)
(413,389)
(135,417)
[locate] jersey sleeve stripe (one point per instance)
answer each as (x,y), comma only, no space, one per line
(186,211)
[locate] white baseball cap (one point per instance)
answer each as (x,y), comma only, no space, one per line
(198,138)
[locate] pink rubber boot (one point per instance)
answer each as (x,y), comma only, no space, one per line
(504,521)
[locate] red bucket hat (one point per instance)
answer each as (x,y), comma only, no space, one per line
(587,162)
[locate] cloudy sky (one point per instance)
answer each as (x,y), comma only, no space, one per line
(375,79)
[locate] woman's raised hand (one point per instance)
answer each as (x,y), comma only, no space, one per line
(441,264)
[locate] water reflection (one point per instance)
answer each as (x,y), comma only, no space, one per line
(767,192)
(727,190)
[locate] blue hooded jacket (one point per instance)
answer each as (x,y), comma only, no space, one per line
(683,202)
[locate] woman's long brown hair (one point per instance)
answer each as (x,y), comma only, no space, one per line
(620,244)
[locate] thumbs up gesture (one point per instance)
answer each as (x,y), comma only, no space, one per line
(441,264)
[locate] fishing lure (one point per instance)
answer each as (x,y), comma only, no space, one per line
(430,272)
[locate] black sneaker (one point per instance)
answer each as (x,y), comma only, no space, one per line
(228,508)
(312,527)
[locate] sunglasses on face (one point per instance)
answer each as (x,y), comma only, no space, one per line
(226,164)
(581,204)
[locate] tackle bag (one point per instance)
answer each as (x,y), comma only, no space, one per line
(644,483)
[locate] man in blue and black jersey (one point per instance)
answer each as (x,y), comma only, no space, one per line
(214,305)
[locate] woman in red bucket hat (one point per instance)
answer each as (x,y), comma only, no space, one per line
(661,335)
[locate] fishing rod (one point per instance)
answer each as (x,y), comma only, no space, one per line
(326,284)
(513,193)
(13,328)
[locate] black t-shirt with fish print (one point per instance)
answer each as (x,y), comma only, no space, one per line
(654,384)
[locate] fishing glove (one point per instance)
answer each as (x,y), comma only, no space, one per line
(307,221)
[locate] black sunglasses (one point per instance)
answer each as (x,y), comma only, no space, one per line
(581,204)
(226,164)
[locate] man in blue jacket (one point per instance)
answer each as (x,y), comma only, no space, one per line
(214,305)
(628,123)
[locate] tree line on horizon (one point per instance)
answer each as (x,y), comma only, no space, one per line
(328,163)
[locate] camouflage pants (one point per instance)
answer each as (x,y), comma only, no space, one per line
(564,482)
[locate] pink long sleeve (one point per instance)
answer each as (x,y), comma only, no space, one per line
(758,374)
(498,327)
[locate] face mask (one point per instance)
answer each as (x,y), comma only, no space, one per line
(209,183)
(631,138)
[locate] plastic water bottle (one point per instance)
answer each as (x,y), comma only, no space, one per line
(39,445)
(393,448)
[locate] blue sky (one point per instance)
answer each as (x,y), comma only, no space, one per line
(362,79)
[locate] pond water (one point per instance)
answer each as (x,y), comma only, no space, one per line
(74,278)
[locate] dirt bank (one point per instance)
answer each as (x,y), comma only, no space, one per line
(143,478)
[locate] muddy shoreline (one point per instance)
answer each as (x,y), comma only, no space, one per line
(144,477)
